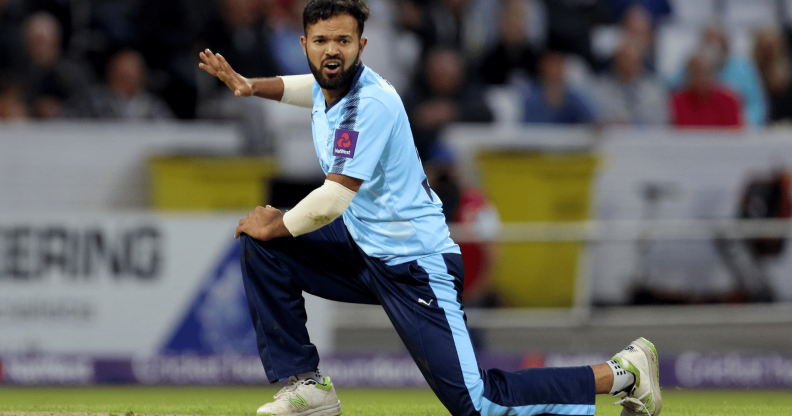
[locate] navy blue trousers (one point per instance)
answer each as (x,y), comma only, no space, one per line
(422,300)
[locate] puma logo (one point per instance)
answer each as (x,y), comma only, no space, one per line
(425,303)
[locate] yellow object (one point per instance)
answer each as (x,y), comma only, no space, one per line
(538,187)
(197,183)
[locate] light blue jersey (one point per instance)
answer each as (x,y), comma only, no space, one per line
(365,134)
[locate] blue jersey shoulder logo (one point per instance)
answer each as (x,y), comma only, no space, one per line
(345,143)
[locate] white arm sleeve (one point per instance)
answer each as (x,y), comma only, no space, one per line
(298,90)
(319,208)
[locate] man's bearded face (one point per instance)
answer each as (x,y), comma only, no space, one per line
(335,73)
(333,48)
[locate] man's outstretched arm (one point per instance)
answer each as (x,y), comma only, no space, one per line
(295,90)
(316,210)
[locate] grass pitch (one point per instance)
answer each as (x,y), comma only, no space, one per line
(243,401)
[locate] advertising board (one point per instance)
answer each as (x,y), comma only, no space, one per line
(127,285)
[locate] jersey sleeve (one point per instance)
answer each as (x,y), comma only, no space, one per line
(361,139)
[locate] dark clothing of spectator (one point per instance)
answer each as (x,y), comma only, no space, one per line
(500,63)
(788,36)
(466,26)
(781,106)
(247,49)
(433,33)
(165,41)
(470,105)
(573,108)
(720,108)
(61,82)
(569,27)
(11,43)
(658,9)
(100,102)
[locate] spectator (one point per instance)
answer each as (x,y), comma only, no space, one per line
(468,26)
(551,100)
(287,29)
(447,20)
(411,16)
(656,9)
(12,106)
(62,11)
(475,216)
(772,59)
(736,73)
(638,27)
(703,102)
(570,23)
(165,39)
(626,94)
(445,95)
(480,217)
(10,40)
(513,53)
(243,36)
(50,79)
(124,95)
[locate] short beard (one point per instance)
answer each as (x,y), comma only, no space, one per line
(339,82)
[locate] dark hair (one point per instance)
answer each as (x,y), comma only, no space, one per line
(318,10)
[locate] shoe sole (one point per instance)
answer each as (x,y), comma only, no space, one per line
(329,410)
(654,368)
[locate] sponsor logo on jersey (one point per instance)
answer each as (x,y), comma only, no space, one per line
(345,143)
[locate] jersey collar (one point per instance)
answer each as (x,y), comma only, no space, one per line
(346,91)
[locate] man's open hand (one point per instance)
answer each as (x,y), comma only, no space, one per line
(217,66)
(263,224)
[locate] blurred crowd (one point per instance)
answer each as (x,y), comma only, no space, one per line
(137,59)
(452,61)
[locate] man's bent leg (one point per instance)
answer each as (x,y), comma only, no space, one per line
(428,316)
(276,272)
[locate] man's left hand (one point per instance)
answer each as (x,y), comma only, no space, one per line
(263,224)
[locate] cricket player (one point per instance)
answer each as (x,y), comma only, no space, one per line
(374,233)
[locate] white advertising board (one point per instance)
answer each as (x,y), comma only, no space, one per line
(128,285)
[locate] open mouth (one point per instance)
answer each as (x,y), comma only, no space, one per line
(332,67)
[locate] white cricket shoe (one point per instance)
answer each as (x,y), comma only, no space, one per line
(304,398)
(640,358)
